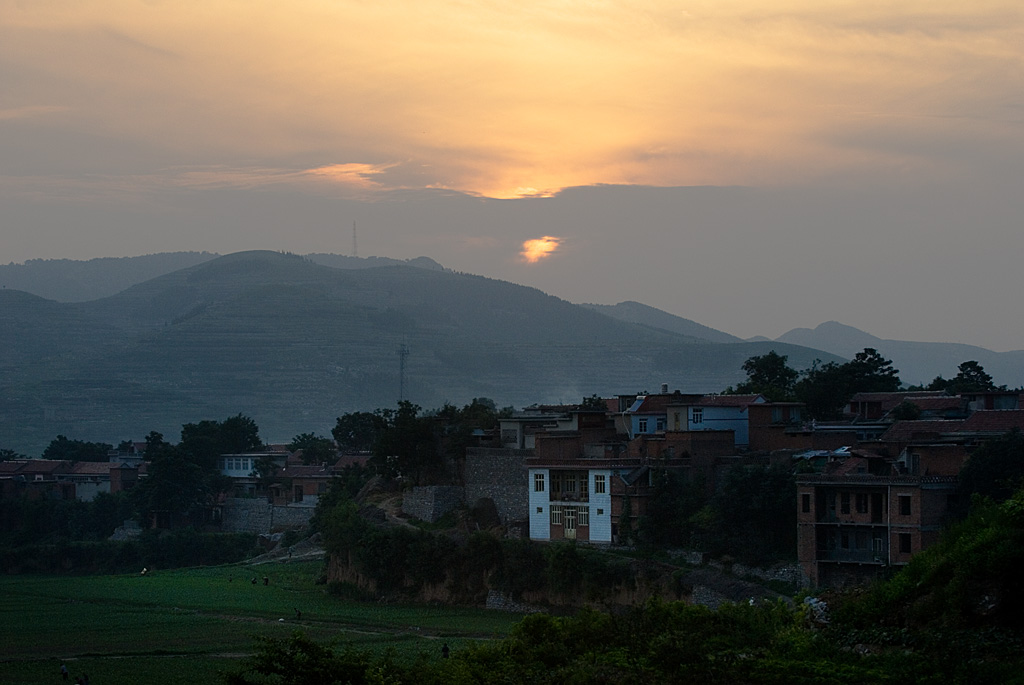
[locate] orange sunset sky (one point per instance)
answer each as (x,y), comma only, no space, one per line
(867,156)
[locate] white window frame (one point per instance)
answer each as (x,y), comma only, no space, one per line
(599,484)
(538,482)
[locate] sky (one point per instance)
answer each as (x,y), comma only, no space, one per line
(754,166)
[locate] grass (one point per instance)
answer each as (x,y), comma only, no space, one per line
(126,628)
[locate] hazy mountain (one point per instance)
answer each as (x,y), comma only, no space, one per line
(70,280)
(294,344)
(918,362)
(635,312)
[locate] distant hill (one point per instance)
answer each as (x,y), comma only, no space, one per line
(70,280)
(635,312)
(294,344)
(918,362)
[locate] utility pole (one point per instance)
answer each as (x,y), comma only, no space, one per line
(403,352)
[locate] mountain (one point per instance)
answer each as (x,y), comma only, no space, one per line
(294,344)
(635,312)
(70,280)
(918,362)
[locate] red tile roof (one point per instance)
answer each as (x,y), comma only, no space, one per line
(938,403)
(995,421)
(896,397)
(729,400)
(304,472)
(100,468)
(904,431)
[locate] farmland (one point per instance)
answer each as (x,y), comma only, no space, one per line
(189,625)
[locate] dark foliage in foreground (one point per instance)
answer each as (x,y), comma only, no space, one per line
(951,616)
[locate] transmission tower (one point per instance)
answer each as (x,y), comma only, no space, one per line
(403,352)
(355,248)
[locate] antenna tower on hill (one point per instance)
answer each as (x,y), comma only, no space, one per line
(403,352)
(355,248)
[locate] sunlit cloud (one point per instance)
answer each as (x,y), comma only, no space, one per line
(355,175)
(539,248)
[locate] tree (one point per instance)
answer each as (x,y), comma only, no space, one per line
(359,431)
(76,450)
(408,444)
(769,375)
(871,372)
(9,455)
(316,449)
(995,469)
(826,389)
(206,441)
(174,484)
(970,377)
(906,411)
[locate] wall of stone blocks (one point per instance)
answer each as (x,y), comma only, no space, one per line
(257,516)
(501,475)
(432,502)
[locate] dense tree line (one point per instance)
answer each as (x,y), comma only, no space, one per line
(407,442)
(826,388)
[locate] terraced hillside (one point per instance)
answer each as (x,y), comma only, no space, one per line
(293,344)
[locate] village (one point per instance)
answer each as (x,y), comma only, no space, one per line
(873,487)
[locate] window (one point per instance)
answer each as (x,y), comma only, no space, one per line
(583,516)
(660,425)
(538,482)
(569,484)
(805,503)
(904,543)
(862,503)
(600,512)
(599,484)
(844,505)
(698,416)
(584,487)
(641,426)
(556,515)
(876,545)
(540,510)
(904,505)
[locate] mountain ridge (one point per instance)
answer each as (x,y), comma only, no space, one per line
(294,344)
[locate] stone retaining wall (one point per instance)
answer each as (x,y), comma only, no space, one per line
(432,502)
(499,474)
(258,516)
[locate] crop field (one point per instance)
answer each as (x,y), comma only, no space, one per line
(190,625)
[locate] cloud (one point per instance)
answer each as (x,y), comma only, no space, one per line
(539,248)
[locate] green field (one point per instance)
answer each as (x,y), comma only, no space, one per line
(188,625)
